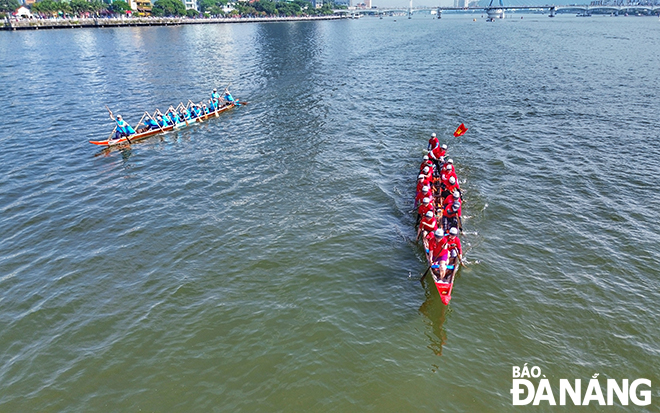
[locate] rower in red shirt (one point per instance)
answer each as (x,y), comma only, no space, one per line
(427,224)
(432,244)
(439,152)
(447,172)
(450,187)
(425,162)
(425,207)
(451,216)
(453,197)
(427,171)
(424,193)
(422,182)
(433,143)
(449,244)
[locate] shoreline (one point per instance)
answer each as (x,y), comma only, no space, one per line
(48,24)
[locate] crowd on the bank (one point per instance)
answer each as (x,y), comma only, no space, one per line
(180,115)
(438,202)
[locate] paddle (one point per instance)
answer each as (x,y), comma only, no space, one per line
(425,272)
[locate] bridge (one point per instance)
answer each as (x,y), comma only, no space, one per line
(496,11)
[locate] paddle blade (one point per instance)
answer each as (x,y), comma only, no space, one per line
(460,130)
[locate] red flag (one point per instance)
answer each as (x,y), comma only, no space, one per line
(460,130)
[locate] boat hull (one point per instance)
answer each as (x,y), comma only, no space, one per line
(446,284)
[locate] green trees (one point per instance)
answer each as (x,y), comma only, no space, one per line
(119,6)
(7,6)
(76,7)
(211,6)
(49,6)
(168,8)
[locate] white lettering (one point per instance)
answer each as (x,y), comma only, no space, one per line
(517,391)
(646,394)
(538,371)
(594,392)
(516,372)
(544,392)
(621,392)
(574,393)
(525,371)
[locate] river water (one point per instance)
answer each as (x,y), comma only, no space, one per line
(265,260)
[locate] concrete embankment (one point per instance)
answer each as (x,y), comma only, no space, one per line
(36,24)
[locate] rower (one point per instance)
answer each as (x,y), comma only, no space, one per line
(433,245)
(425,162)
(447,172)
(427,171)
(150,124)
(163,119)
(427,224)
(425,207)
(449,243)
(229,99)
(196,111)
(185,113)
(422,182)
(174,116)
(451,216)
(434,142)
(123,128)
(426,192)
(437,153)
(450,187)
(215,98)
(452,198)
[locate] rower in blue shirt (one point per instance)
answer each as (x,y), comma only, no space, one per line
(123,128)
(215,97)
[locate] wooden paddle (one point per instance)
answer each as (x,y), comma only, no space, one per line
(425,272)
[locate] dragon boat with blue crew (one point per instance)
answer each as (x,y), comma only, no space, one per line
(173,119)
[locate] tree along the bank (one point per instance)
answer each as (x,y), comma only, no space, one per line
(119,7)
(8,6)
(213,7)
(168,8)
(76,7)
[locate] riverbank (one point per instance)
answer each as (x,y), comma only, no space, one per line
(36,24)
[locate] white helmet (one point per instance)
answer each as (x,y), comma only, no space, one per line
(453,231)
(451,161)
(421,176)
(448,167)
(456,194)
(426,157)
(452,180)
(429,214)
(438,233)
(426,200)
(425,188)
(426,169)
(444,147)
(433,135)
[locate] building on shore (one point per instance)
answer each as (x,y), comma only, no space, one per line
(190,4)
(317,4)
(143,7)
